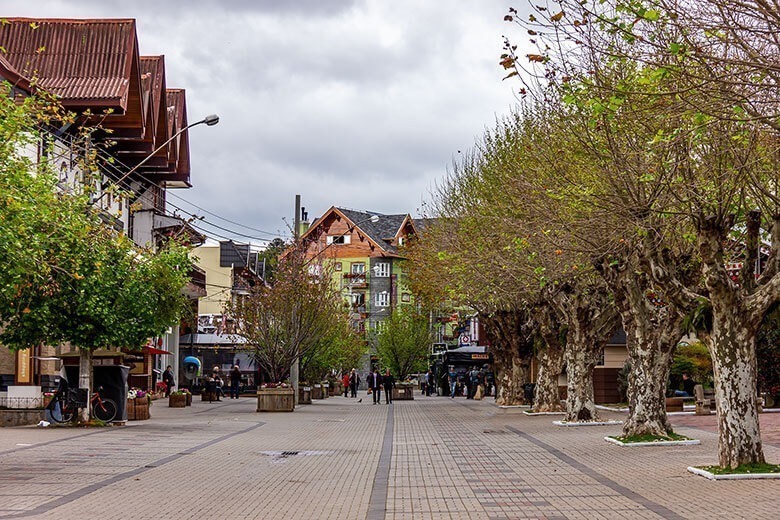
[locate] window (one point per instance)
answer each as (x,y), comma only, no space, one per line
(315,270)
(406,297)
(382,299)
(401,241)
(338,239)
(358,267)
(337,266)
(382,270)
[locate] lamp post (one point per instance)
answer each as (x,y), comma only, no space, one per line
(209,120)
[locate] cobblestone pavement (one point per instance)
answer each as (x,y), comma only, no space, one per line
(431,458)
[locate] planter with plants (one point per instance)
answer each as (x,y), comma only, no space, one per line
(275,397)
(177,399)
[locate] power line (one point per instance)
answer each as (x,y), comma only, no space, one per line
(109,163)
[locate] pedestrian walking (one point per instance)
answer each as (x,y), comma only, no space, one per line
(375,385)
(167,378)
(452,376)
(216,380)
(354,381)
(430,380)
(345,383)
(235,382)
(388,381)
(473,382)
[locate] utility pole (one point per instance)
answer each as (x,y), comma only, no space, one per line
(296,236)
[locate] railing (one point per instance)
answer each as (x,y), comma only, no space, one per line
(20,403)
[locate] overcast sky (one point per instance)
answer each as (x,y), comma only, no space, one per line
(361,104)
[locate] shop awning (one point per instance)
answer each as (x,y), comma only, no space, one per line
(158,351)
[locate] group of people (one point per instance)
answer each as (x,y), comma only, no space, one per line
(214,382)
(474,381)
(376,382)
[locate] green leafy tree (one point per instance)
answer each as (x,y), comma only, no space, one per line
(404,342)
(67,278)
(340,351)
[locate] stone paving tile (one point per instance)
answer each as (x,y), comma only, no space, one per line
(451,459)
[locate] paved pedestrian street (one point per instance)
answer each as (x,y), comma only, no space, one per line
(431,458)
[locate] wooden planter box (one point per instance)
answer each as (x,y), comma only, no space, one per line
(326,390)
(336,389)
(304,395)
(316,392)
(674,404)
(275,400)
(138,409)
(177,401)
(403,392)
(189,399)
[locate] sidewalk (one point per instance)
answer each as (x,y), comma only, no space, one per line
(429,458)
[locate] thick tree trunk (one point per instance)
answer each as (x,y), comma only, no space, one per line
(590,320)
(510,379)
(547,398)
(647,382)
(580,360)
(512,350)
(653,328)
(85,380)
(733,351)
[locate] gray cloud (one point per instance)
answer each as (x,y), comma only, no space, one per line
(360,104)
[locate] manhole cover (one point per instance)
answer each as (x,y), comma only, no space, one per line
(280,457)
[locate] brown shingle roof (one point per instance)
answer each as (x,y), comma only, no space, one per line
(85,62)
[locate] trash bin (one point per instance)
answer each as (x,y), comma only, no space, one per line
(528,392)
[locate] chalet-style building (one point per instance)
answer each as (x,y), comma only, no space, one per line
(365,251)
(95,69)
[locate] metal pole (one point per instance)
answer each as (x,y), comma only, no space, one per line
(294,369)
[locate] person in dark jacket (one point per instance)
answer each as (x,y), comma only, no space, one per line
(167,378)
(235,381)
(354,381)
(375,385)
(388,381)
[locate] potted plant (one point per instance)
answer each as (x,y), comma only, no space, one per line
(304,393)
(275,397)
(177,399)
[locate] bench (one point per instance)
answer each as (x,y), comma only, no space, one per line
(674,404)
(703,404)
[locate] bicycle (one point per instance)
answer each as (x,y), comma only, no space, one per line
(66,402)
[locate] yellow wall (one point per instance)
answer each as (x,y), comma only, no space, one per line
(218,280)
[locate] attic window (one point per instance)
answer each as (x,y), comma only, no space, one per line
(401,240)
(338,239)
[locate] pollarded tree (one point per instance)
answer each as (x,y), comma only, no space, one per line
(722,164)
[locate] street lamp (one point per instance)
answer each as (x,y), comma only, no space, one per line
(209,120)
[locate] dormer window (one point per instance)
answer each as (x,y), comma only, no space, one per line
(401,240)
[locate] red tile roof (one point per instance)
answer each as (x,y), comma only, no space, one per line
(85,62)
(9,73)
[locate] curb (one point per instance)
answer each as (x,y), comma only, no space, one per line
(733,476)
(587,423)
(690,442)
